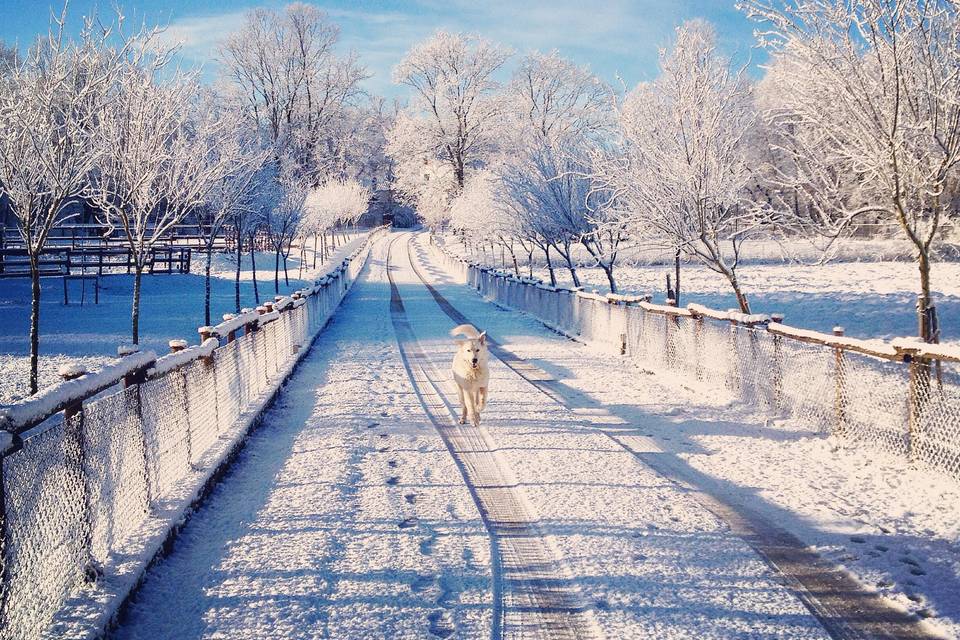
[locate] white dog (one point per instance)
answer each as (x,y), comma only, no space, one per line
(471,371)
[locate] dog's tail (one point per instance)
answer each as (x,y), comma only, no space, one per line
(467,330)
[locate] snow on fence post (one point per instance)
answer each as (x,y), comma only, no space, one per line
(232,334)
(777,365)
(839,388)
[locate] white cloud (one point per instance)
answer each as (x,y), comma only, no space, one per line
(199,36)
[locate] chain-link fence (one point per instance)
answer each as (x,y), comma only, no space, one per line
(903,398)
(78,485)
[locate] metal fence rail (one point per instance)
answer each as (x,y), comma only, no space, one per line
(86,464)
(902,398)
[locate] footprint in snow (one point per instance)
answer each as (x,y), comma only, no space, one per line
(426,546)
(421,582)
(392,463)
(441,624)
(408,523)
(410,498)
(393,480)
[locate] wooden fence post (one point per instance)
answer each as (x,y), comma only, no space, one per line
(134,379)
(232,335)
(73,421)
(736,383)
(839,387)
(777,365)
(697,343)
(919,395)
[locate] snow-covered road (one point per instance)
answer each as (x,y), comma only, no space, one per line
(348,516)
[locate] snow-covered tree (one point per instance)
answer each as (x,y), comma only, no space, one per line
(282,222)
(680,181)
(334,203)
(455,111)
(865,95)
(558,110)
(156,161)
(230,197)
(284,66)
(427,185)
(50,100)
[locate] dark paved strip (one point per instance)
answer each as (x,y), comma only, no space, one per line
(534,596)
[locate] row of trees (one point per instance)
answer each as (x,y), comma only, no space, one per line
(856,119)
(110,119)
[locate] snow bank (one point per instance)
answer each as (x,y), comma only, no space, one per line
(23,415)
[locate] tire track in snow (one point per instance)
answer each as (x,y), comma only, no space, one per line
(843,606)
(534,595)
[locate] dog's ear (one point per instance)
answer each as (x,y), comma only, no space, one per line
(483,337)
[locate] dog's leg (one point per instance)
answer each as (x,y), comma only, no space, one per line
(463,404)
(483,398)
(475,401)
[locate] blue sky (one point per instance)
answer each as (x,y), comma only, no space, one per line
(615,37)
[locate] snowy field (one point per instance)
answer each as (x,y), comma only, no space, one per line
(865,292)
(896,528)
(171,308)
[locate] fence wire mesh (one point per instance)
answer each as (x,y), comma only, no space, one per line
(908,409)
(81,486)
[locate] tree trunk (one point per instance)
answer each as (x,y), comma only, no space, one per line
(314,250)
(572,268)
(553,277)
(516,265)
(236,280)
(286,277)
(253,267)
(135,312)
(741,297)
(530,260)
(276,271)
(676,259)
(206,286)
(928,324)
(608,270)
(303,258)
(34,324)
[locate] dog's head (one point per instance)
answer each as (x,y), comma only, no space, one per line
(474,350)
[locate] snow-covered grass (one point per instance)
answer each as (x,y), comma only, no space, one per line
(869,298)
(171,308)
